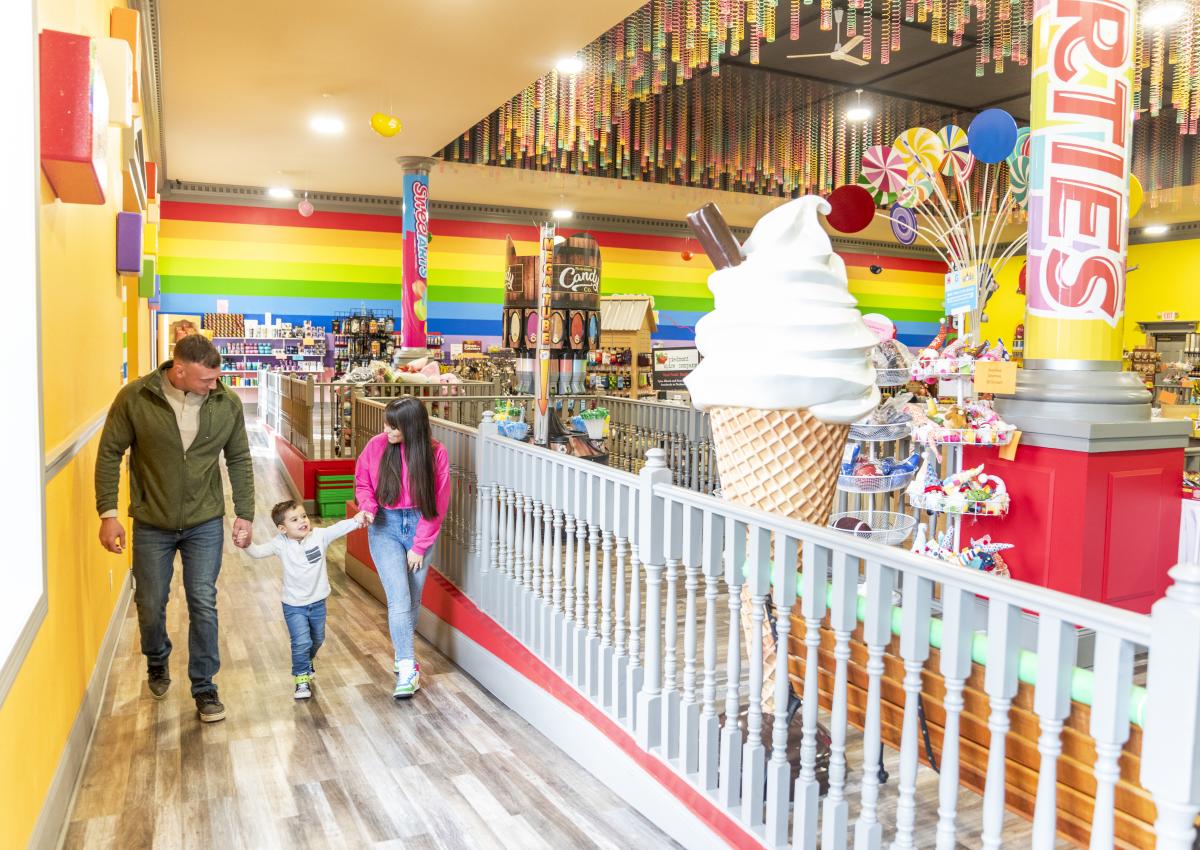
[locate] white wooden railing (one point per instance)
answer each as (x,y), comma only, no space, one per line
(628,586)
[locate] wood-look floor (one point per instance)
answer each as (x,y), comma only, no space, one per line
(452,768)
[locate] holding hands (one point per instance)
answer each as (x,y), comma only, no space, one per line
(364,519)
(242,532)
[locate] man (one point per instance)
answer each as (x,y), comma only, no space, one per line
(176,422)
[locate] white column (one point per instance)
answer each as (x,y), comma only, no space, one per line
(779,771)
(1000,682)
(843,618)
(1109,726)
(1052,702)
(714,541)
(914,648)
(649,699)
(877,633)
(958,632)
(729,774)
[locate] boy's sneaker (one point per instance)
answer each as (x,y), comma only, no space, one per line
(209,707)
(303,686)
(408,679)
(158,677)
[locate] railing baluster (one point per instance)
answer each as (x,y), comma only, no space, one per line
(1109,725)
(843,617)
(637,672)
(1000,682)
(779,771)
(607,539)
(579,643)
(1052,702)
(620,668)
(593,610)
(814,578)
(556,588)
(670,668)
(729,781)
(689,709)
(710,724)
(754,754)
(877,633)
(568,634)
(914,648)
(650,515)
(532,638)
(958,632)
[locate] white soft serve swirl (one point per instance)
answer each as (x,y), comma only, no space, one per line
(785,333)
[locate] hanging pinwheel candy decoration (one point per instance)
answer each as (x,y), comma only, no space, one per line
(884,168)
(958,161)
(880,197)
(904,224)
(921,150)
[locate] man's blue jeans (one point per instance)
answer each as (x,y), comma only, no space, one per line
(199,548)
(306,625)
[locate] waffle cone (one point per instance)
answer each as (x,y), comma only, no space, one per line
(780,461)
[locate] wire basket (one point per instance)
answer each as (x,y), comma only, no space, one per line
(867,433)
(874,483)
(891,377)
(887,527)
(996,506)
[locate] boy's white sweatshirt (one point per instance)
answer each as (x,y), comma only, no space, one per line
(304,577)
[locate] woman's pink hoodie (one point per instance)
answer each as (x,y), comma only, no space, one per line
(366,479)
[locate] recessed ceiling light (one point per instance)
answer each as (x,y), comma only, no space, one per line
(858,113)
(1163,14)
(327,125)
(569,65)
(280,193)
(562,214)
(1155,230)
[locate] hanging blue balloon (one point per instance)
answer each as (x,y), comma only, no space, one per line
(904,224)
(992,135)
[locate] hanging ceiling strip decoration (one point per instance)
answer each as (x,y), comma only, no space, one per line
(653,102)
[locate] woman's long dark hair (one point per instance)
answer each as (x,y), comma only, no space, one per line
(408,416)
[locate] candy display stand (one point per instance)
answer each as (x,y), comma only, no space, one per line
(887,527)
(878,499)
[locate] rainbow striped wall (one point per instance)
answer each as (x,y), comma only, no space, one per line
(270,260)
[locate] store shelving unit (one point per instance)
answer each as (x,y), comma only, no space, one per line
(359,338)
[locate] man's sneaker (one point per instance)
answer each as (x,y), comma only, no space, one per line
(209,707)
(408,679)
(158,677)
(304,686)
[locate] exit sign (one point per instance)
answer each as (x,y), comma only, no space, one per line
(1168,317)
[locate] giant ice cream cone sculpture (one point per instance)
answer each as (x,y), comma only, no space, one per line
(786,369)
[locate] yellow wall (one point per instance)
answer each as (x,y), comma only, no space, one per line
(1167,279)
(81,361)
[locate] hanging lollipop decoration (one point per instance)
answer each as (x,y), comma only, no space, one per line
(992,136)
(305,207)
(1018,177)
(1136,195)
(884,169)
(904,224)
(851,208)
(958,161)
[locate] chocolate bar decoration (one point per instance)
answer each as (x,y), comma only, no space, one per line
(715,237)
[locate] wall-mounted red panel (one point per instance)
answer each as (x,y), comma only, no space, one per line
(73,141)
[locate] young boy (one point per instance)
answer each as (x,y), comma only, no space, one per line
(302,548)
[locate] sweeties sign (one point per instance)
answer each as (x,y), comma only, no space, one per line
(414,307)
(1079,181)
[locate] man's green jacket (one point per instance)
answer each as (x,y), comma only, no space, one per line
(170,488)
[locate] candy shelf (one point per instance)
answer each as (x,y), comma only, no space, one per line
(874,483)
(964,436)
(867,433)
(887,527)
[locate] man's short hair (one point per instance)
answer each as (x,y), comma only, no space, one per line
(198,349)
(279,512)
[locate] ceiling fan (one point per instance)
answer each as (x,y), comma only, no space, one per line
(840,52)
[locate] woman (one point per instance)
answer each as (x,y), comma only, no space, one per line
(402,484)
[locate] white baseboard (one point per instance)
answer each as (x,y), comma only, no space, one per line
(573,734)
(51,826)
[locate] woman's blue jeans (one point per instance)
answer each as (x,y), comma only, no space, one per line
(390,537)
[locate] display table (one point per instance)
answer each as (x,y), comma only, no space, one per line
(1189,532)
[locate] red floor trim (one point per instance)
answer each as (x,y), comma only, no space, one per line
(449,604)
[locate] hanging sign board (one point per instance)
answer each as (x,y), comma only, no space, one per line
(962,291)
(672,365)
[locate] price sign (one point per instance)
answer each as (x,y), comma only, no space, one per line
(996,376)
(962,291)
